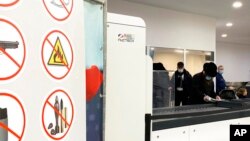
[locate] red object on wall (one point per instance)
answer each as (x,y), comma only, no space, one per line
(94,79)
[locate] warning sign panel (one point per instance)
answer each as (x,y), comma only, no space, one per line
(57,114)
(12,50)
(59,9)
(6,3)
(57,54)
(12,118)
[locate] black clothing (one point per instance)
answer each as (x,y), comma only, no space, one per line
(158,66)
(201,87)
(241,96)
(182,83)
(210,69)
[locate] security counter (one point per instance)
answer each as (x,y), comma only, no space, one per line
(196,122)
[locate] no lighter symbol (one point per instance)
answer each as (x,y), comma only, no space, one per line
(57,54)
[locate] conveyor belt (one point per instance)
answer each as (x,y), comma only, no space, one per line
(187,109)
(164,118)
(235,103)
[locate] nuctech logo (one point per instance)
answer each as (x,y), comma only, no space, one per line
(126,38)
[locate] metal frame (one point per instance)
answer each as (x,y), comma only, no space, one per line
(104,3)
(104,61)
(97,1)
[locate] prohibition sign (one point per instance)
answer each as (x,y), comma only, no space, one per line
(57,114)
(12,50)
(7,3)
(59,9)
(57,54)
(16,117)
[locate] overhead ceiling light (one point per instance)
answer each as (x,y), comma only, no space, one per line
(237,4)
(180,51)
(223,35)
(229,24)
(208,53)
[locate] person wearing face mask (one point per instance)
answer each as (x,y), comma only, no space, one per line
(182,82)
(203,85)
(220,81)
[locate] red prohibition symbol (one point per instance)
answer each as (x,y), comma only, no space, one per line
(57,54)
(57,114)
(7,3)
(60,10)
(12,50)
(18,111)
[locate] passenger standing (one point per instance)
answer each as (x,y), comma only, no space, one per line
(203,85)
(182,82)
(220,81)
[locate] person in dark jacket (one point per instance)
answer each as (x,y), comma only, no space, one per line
(220,81)
(203,85)
(182,83)
(161,83)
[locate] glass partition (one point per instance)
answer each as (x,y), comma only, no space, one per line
(168,57)
(165,64)
(195,60)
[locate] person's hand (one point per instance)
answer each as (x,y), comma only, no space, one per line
(207,98)
(218,98)
(231,88)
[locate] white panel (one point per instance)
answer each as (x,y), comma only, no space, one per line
(125,85)
(127,20)
(235,59)
(175,134)
(215,130)
(149,85)
(168,28)
(218,131)
(245,121)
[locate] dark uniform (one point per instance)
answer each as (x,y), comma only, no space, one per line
(203,84)
(201,87)
(220,83)
(183,87)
